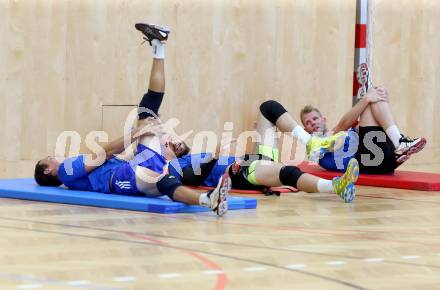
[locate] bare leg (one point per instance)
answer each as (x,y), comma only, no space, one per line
(187,195)
(405,146)
(157,76)
(308,183)
(146,180)
(377,114)
(268,132)
(286,123)
(367,118)
(273,112)
(382,113)
(267,174)
(156,84)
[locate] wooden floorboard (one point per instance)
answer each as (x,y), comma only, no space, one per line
(387,239)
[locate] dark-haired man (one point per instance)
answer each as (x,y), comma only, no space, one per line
(144,174)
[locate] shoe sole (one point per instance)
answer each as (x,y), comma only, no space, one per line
(352,174)
(353,171)
(222,198)
(413,150)
(363,74)
(349,193)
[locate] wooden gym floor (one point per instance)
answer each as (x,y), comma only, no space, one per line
(387,239)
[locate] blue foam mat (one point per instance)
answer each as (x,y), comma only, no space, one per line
(26,188)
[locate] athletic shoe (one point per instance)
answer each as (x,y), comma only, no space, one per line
(364,80)
(219,195)
(318,146)
(152,31)
(408,147)
(344,185)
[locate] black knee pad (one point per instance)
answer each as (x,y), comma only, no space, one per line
(150,104)
(168,185)
(289,175)
(272,110)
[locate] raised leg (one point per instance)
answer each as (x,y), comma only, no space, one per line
(157,76)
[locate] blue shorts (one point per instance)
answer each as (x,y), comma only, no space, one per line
(123,181)
(338,160)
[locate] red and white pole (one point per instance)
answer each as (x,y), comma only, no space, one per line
(361,53)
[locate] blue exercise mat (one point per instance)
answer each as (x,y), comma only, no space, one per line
(26,188)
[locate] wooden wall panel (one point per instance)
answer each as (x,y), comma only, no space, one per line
(406,59)
(62,60)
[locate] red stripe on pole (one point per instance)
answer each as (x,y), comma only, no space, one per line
(361,36)
(355,85)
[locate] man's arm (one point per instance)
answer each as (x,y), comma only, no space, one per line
(353,115)
(117,146)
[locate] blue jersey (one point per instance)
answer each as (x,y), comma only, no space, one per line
(338,160)
(148,158)
(176,166)
(72,173)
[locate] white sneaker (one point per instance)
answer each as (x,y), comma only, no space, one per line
(407,147)
(219,195)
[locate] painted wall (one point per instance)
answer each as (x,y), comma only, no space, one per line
(406,60)
(62,61)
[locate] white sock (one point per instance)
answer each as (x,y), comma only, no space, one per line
(205,200)
(158,49)
(299,133)
(325,186)
(394,134)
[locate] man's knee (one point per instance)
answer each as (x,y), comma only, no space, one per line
(150,104)
(289,175)
(167,185)
(272,110)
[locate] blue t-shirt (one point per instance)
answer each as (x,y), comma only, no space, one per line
(176,166)
(72,173)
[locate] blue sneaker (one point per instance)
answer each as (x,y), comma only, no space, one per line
(344,185)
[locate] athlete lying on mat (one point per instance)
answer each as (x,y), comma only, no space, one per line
(381,148)
(259,171)
(141,174)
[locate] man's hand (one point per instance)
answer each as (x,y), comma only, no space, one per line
(377,94)
(149,129)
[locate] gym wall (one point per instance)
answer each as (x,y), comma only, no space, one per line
(406,59)
(65,63)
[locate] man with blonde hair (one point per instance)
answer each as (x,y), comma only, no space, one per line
(376,143)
